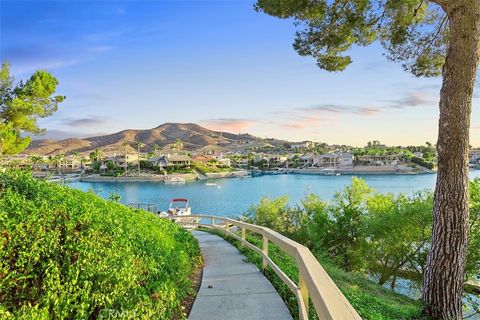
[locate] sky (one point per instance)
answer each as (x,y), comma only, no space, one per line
(138,64)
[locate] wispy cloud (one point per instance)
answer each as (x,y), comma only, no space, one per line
(65,134)
(229,124)
(87,122)
(413,99)
(338,109)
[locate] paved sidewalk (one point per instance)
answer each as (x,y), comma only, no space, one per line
(232,288)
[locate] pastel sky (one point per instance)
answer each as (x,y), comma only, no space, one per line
(138,64)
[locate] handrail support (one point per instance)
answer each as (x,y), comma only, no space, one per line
(302,285)
(265,250)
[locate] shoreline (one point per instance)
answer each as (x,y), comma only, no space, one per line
(162,178)
(242,174)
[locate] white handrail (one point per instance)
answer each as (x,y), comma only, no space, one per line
(314,283)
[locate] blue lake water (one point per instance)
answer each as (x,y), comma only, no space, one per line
(229,197)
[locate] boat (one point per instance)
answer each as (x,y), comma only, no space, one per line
(179,211)
(178,207)
(174,180)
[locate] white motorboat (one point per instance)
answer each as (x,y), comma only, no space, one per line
(178,207)
(174,180)
(180,212)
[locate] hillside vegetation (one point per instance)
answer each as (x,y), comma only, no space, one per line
(66,254)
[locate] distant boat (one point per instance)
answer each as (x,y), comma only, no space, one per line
(174,180)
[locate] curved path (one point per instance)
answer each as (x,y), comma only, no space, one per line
(233,288)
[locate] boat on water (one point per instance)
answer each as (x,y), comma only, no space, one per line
(174,180)
(179,211)
(178,207)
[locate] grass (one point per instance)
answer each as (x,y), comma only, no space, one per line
(67,254)
(371,300)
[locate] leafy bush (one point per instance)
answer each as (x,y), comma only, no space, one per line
(369,299)
(424,163)
(66,254)
(367,232)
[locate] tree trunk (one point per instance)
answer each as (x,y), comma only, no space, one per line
(445,270)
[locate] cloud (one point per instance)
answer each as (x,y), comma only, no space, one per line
(64,134)
(91,121)
(228,124)
(337,109)
(413,99)
(299,122)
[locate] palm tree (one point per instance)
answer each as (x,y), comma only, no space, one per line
(96,155)
(139,145)
(178,145)
(35,160)
(155,148)
(126,145)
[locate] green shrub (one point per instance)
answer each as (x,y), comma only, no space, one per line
(66,254)
(371,300)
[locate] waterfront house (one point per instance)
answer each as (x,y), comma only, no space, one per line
(202,159)
(346,159)
(159,161)
(378,160)
(180,160)
(119,160)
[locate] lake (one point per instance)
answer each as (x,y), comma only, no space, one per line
(233,196)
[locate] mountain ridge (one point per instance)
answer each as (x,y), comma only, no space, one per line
(193,137)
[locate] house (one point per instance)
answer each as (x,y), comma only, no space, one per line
(119,159)
(202,159)
(378,160)
(178,160)
(71,162)
(278,161)
(224,161)
(300,145)
(326,160)
(159,161)
(346,159)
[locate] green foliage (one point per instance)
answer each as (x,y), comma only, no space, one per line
(397,230)
(66,254)
(114,196)
(364,231)
(21,105)
(414,32)
(369,299)
(422,162)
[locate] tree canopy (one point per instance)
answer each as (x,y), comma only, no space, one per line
(21,105)
(413,32)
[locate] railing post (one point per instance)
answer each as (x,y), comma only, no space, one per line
(244,234)
(213,224)
(303,289)
(265,250)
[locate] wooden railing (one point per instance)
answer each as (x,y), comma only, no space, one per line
(313,282)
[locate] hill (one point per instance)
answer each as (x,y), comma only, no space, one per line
(72,255)
(192,136)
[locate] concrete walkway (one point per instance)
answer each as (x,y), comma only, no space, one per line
(232,288)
